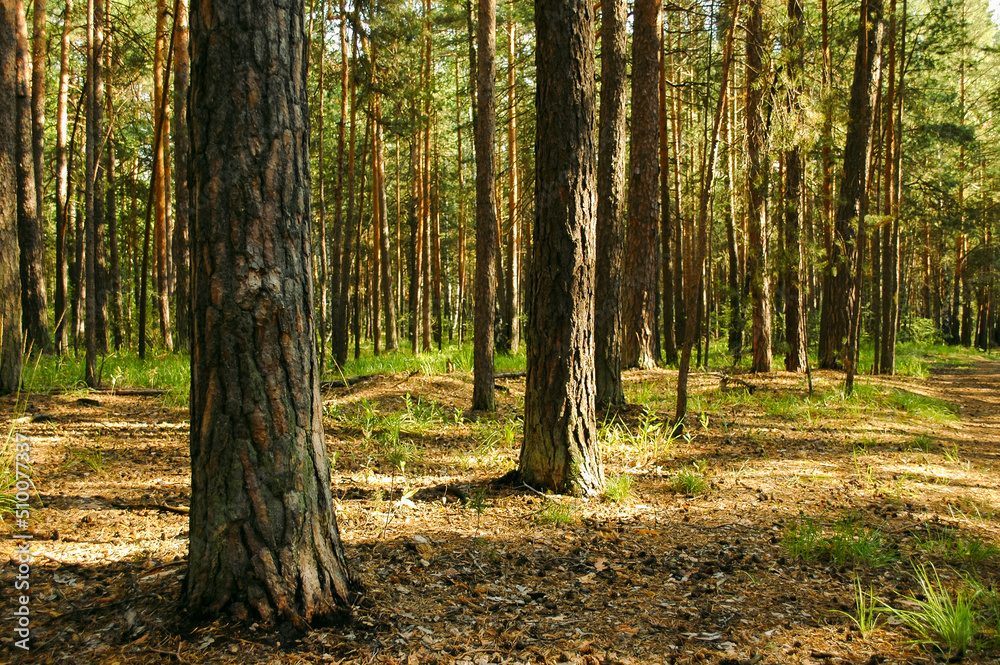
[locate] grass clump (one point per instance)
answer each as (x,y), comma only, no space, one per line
(556,513)
(90,457)
(848,542)
(942,618)
(866,609)
(691,478)
(619,488)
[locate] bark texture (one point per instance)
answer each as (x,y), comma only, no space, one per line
(560,450)
(611,203)
(264,537)
(30,230)
(10,281)
(843,287)
(486,216)
(794,258)
(182,145)
(639,348)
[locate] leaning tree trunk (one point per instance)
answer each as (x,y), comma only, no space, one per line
(640,291)
(610,203)
(486,221)
(10,281)
(30,229)
(264,537)
(560,450)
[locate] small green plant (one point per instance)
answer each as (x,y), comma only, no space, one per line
(8,476)
(942,619)
(866,609)
(923,443)
(556,513)
(803,539)
(951,453)
(478,502)
(91,457)
(691,478)
(619,488)
(854,544)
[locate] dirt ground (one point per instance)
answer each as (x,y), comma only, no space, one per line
(458,568)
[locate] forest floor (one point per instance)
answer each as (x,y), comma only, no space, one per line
(740,543)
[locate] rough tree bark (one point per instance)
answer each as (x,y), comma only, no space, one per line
(10,280)
(62,186)
(610,203)
(794,259)
(560,450)
(486,221)
(640,291)
(182,144)
(757,186)
(842,289)
(30,229)
(264,537)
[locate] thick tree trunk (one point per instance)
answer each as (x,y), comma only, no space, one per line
(30,228)
(486,222)
(843,288)
(757,185)
(10,280)
(640,290)
(264,537)
(62,186)
(610,203)
(560,450)
(182,145)
(794,263)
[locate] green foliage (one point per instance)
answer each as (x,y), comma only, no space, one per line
(556,513)
(90,457)
(943,618)
(866,609)
(848,543)
(619,488)
(170,372)
(691,478)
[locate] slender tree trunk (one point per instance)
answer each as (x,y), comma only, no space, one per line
(512,287)
(794,263)
(692,286)
(339,230)
(666,221)
(62,185)
(758,268)
(486,223)
(560,450)
(734,270)
(385,263)
(78,271)
(111,220)
(610,204)
(340,340)
(864,89)
(890,237)
(461,205)
(825,324)
(639,331)
(438,307)
(264,540)
(182,146)
(356,300)
(30,227)
(10,279)
(162,182)
(95,183)
(39,54)
(324,262)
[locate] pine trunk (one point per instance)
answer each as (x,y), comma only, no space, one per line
(794,263)
(264,540)
(182,146)
(640,289)
(10,279)
(486,222)
(611,203)
(560,450)
(62,186)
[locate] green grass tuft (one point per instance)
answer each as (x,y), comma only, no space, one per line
(619,488)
